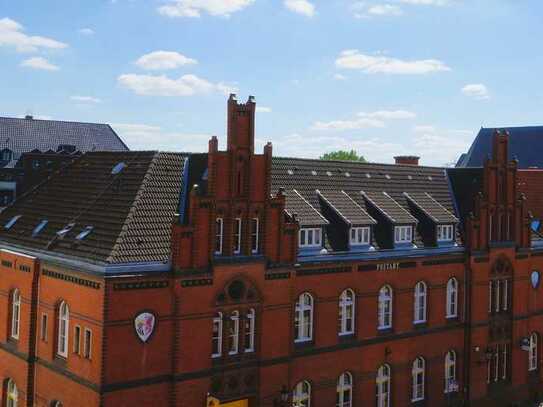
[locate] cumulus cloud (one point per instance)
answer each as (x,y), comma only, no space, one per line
(186,85)
(39,63)
(86,99)
(384,10)
(353,59)
(364,120)
(339,77)
(303,7)
(12,35)
(440,146)
(389,114)
(86,31)
(476,91)
(194,8)
(426,2)
(263,109)
(163,60)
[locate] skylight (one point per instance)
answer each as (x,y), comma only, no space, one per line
(314,172)
(65,230)
(290,172)
(387,176)
(39,228)
(118,168)
(329,173)
(368,175)
(347,174)
(12,222)
(84,233)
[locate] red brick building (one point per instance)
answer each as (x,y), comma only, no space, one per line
(159,279)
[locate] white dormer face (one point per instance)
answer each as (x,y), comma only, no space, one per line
(310,237)
(360,236)
(403,234)
(445,233)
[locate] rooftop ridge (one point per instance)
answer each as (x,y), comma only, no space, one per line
(361,163)
(23,119)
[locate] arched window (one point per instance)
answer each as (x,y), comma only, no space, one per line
(301,396)
(63,326)
(303,319)
(385,307)
(346,312)
(56,403)
(250,331)
(345,390)
(532,354)
(233,333)
(417,373)
(15,313)
(452,298)
(216,341)
(12,394)
(450,371)
(383,386)
(420,303)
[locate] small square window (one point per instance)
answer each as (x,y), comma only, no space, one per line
(445,233)
(310,237)
(403,234)
(360,236)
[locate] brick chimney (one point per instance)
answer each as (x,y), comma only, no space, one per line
(407,159)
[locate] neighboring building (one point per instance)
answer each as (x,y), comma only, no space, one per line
(54,139)
(173,279)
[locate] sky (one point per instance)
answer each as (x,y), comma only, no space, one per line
(383,77)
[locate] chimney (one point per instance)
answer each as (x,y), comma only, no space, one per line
(407,159)
(29,117)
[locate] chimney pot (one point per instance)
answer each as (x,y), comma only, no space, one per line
(407,159)
(29,117)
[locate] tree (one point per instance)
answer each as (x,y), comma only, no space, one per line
(343,155)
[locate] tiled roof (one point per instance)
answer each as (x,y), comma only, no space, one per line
(432,208)
(131,212)
(304,211)
(389,207)
(24,135)
(346,207)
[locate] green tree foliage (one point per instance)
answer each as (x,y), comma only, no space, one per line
(343,155)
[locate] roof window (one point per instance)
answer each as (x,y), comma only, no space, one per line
(387,176)
(347,174)
(368,175)
(314,172)
(118,168)
(40,227)
(84,233)
(65,230)
(429,178)
(290,172)
(12,222)
(329,173)
(409,177)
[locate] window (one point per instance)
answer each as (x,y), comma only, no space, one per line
(255,226)
(310,237)
(385,308)
(383,386)
(445,233)
(417,373)
(450,371)
(219,230)
(452,298)
(345,390)
(43,333)
(233,333)
(12,394)
(217,336)
(15,313)
(420,303)
(7,155)
(301,396)
(56,404)
(39,228)
(87,344)
(360,236)
(303,320)
(77,339)
(403,234)
(498,294)
(250,331)
(532,353)
(346,312)
(63,325)
(237,236)
(12,222)
(497,365)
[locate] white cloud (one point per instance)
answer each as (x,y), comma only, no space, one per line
(389,114)
(476,90)
(39,63)
(186,85)
(303,7)
(85,99)
(86,31)
(263,109)
(340,77)
(364,120)
(194,8)
(440,146)
(353,59)
(384,10)
(11,34)
(426,2)
(163,60)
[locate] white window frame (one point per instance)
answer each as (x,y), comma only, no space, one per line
(452,298)
(237,235)
(445,233)
(450,370)
(385,305)
(250,331)
(255,233)
(15,313)
(420,295)
(532,353)
(233,333)
(418,375)
(310,234)
(12,396)
(219,235)
(303,318)
(77,339)
(383,389)
(403,234)
(344,390)
(301,395)
(360,236)
(216,335)
(347,301)
(87,344)
(63,329)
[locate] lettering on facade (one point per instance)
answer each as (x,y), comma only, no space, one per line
(388,266)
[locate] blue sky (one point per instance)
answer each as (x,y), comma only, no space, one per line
(384,77)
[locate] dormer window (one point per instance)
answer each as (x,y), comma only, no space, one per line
(219,229)
(237,236)
(403,234)
(445,233)
(310,237)
(360,236)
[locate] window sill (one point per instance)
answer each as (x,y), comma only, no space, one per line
(346,337)
(304,344)
(420,325)
(452,319)
(418,403)
(385,331)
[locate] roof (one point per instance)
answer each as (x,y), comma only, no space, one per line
(347,208)
(130,212)
(305,213)
(25,135)
(432,208)
(391,209)
(525,145)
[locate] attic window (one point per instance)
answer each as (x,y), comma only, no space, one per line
(314,172)
(445,233)
(39,228)
(65,230)
(329,173)
(118,168)
(84,233)
(290,172)
(403,234)
(12,222)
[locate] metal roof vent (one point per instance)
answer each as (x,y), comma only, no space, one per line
(314,172)
(118,168)
(84,233)
(409,177)
(429,178)
(65,230)
(12,222)
(387,176)
(290,172)
(347,174)
(329,173)
(368,175)
(40,227)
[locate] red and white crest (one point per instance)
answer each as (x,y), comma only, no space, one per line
(144,323)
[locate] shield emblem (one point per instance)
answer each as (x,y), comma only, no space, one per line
(144,323)
(535,277)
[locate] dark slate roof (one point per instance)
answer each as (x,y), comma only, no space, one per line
(432,208)
(389,207)
(131,212)
(525,144)
(346,208)
(304,211)
(465,184)
(25,135)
